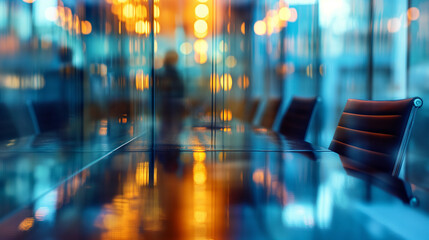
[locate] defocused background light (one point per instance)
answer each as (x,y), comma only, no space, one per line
(393,25)
(231,61)
(156,11)
(243,28)
(200,28)
(413,13)
(226,82)
(51,14)
(128,11)
(214,82)
(226,115)
(223,47)
(285,14)
(293,15)
(201,58)
(186,48)
(86,27)
(201,11)
(260,27)
(201,46)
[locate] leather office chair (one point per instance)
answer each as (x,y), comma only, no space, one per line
(373,135)
(270,112)
(252,110)
(49,116)
(295,122)
(8,130)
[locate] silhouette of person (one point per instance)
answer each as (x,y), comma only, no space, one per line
(170,102)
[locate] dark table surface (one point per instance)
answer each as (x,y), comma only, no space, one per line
(229,182)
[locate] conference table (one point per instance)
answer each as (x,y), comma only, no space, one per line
(197,180)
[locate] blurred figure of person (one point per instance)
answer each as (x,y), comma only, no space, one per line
(170,83)
(170,103)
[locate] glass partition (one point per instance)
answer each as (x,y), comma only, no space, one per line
(78,71)
(75,84)
(92,75)
(417,85)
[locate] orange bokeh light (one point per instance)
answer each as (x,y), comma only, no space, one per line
(86,27)
(226,115)
(226,82)
(214,82)
(413,13)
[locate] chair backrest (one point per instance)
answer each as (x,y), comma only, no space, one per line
(375,134)
(295,121)
(252,110)
(238,108)
(8,129)
(49,116)
(270,112)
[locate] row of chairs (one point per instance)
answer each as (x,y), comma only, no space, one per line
(371,135)
(32,118)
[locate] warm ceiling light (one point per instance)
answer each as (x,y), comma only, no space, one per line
(128,11)
(141,12)
(186,48)
(226,115)
(200,58)
(226,82)
(141,27)
(260,27)
(157,27)
(156,11)
(200,26)
(284,14)
(201,11)
(201,46)
(86,27)
(29,1)
(214,82)
(243,28)
(243,82)
(413,13)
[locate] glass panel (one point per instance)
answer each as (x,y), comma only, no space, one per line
(389,49)
(302,61)
(75,77)
(417,164)
(344,59)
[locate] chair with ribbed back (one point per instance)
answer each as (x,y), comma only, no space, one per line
(270,112)
(295,121)
(373,135)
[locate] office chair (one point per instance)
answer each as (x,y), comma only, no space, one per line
(251,111)
(373,135)
(295,121)
(270,113)
(8,129)
(49,116)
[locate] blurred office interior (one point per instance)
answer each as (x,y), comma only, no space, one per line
(80,79)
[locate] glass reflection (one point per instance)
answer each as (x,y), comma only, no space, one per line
(79,79)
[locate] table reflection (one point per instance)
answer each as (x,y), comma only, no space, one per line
(214,195)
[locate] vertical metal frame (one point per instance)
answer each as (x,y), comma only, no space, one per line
(417,103)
